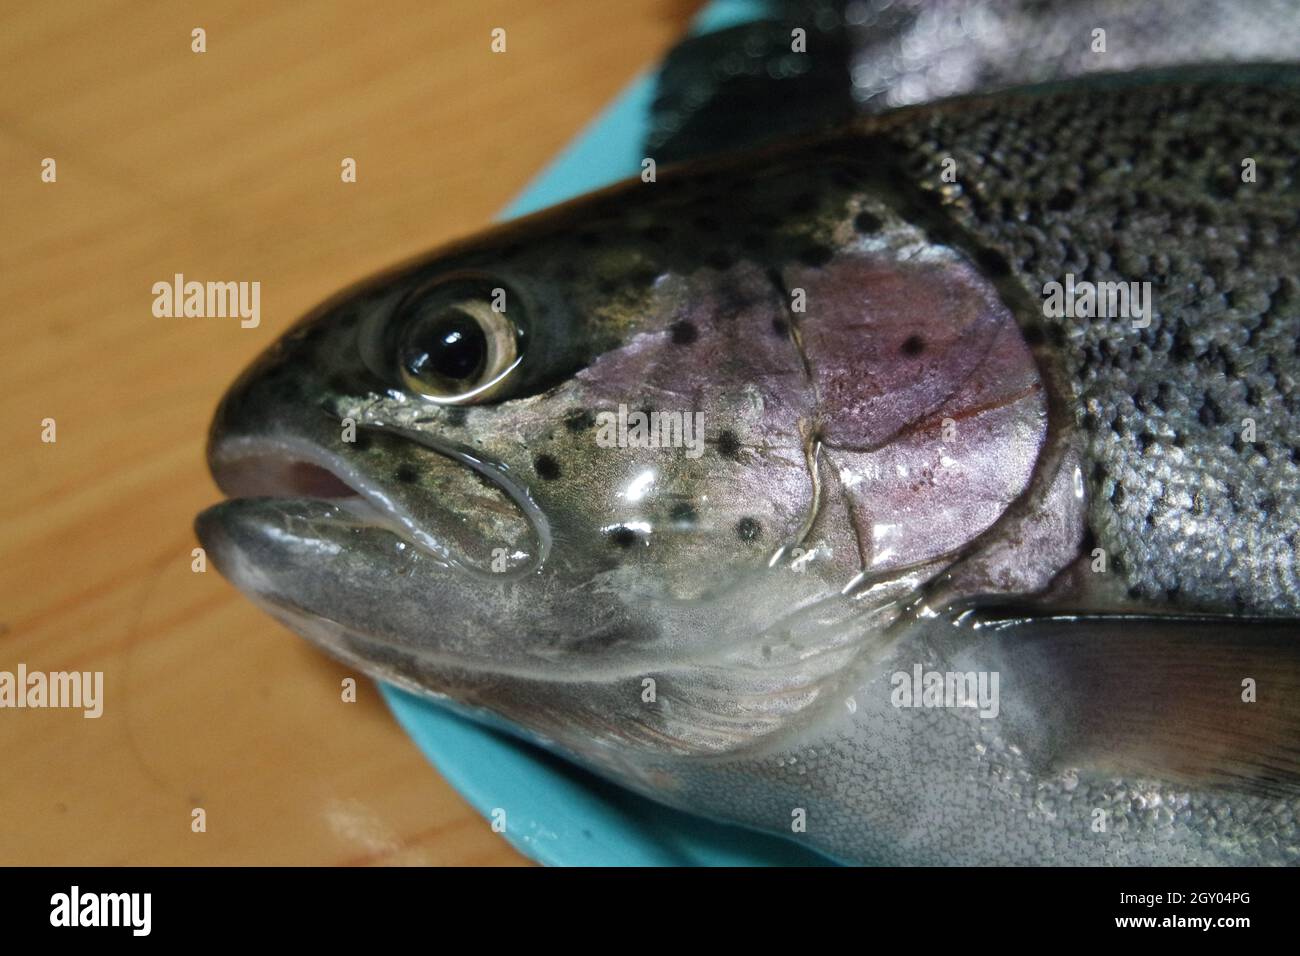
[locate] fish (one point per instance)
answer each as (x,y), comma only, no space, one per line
(802,65)
(782,488)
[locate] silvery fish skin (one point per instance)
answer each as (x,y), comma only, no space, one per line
(907,468)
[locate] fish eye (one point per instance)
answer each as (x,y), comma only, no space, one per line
(453,345)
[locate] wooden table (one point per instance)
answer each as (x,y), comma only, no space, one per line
(225,165)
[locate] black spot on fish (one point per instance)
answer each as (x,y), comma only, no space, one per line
(683,513)
(914,345)
(719,259)
(707,223)
(311,336)
(1034,334)
(579,419)
(623,537)
(362,441)
(867,223)
(1210,413)
(816,255)
(728,444)
(993,262)
(843,178)
(588,238)
(1063,200)
(780,327)
(455,415)
(286,389)
(407,473)
(546,467)
(657,234)
(748,529)
(684,333)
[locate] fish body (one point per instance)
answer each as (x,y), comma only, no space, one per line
(696,481)
(805,64)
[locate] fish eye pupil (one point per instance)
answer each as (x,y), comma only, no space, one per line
(452,348)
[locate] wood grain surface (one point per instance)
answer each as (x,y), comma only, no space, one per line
(225,165)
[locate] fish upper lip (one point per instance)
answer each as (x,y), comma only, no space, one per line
(248,467)
(295,469)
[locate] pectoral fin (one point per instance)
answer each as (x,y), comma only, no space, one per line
(1199,701)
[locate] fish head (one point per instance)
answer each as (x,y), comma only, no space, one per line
(562,472)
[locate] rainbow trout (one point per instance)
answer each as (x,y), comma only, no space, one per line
(926,491)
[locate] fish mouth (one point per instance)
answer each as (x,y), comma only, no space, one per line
(379,574)
(294,502)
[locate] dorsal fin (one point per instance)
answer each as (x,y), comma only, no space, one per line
(740,85)
(744,84)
